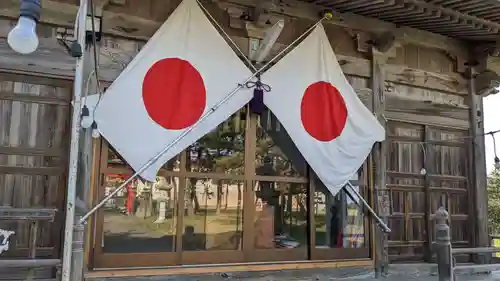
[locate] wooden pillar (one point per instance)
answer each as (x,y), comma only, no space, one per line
(427,160)
(478,182)
(379,157)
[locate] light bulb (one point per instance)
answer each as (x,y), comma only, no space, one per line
(423,172)
(86,121)
(95,132)
(22,38)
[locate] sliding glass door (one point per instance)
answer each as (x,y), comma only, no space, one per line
(242,193)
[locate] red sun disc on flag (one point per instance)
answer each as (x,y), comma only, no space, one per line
(174,93)
(323,111)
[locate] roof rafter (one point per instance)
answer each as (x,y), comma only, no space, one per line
(461,17)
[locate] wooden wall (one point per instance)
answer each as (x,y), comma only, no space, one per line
(427,112)
(34,118)
(428,153)
(425,99)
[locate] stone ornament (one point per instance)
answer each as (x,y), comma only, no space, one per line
(4,245)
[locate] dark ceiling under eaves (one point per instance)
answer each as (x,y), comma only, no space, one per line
(475,20)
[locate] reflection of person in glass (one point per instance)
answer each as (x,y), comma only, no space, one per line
(335,232)
(269,195)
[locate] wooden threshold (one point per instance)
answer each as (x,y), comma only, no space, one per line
(211,269)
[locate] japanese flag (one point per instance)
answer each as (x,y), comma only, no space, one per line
(181,73)
(321,112)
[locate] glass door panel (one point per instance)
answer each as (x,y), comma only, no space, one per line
(213,226)
(217,223)
(280,229)
(138,227)
(212,220)
(141,218)
(340,228)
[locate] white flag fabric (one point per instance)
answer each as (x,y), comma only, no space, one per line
(181,73)
(320,110)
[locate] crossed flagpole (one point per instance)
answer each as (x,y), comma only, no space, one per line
(200,120)
(256,73)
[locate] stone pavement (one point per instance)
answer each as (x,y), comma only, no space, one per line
(411,272)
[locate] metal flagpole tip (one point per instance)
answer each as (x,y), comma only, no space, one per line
(328,15)
(387,229)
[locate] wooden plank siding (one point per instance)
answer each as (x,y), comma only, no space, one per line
(426,130)
(412,148)
(425,99)
(34,119)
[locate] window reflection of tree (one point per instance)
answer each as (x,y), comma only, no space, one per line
(220,151)
(277,156)
(274,142)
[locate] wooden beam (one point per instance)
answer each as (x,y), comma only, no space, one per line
(33,263)
(302,10)
(52,60)
(45,171)
(64,14)
(257,13)
(216,269)
(382,200)
(435,121)
(487,83)
(486,61)
(385,41)
(128,25)
(449,82)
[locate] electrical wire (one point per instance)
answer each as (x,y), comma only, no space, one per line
(113,57)
(94,44)
(496,160)
(494,145)
(95,71)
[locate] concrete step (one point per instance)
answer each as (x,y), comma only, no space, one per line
(351,274)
